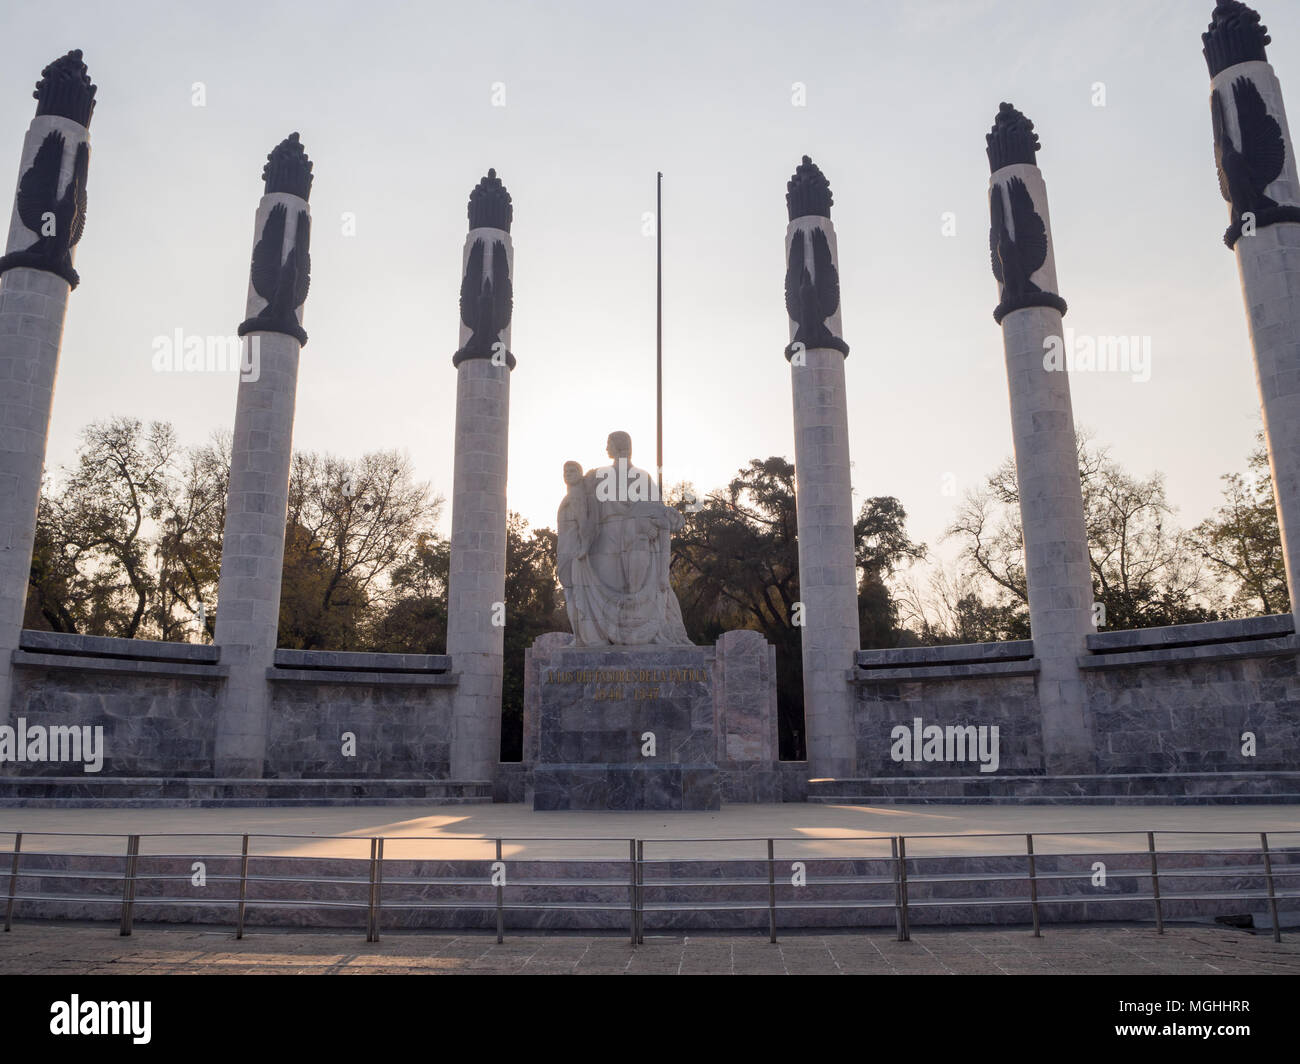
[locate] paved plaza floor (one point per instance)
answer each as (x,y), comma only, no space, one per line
(468,831)
(79,949)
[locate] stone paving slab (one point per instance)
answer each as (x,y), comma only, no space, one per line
(77,949)
(467,832)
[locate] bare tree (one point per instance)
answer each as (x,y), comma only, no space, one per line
(1144,571)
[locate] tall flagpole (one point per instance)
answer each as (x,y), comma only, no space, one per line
(659,330)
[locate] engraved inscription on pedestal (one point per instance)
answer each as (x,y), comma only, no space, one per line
(626,728)
(650,727)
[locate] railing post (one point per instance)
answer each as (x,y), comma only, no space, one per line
(243,888)
(1033,885)
(128,885)
(905,932)
(1155,882)
(379,888)
(640,892)
(631,887)
(1268,877)
(898,894)
(370,902)
(13,881)
(499,868)
(771,891)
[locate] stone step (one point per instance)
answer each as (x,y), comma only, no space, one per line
(1191,788)
(199,792)
(588,894)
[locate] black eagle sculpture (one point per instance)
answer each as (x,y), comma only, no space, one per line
(810,299)
(1016,259)
(1248,168)
(58,220)
(486,301)
(282,280)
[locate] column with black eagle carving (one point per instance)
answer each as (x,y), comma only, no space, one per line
(476,584)
(1257,176)
(48,217)
(828,592)
(252,549)
(1057,568)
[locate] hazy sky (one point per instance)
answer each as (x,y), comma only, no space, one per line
(394,103)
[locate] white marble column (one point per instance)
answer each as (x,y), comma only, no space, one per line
(476,583)
(1057,568)
(828,590)
(252,552)
(1265,234)
(37,277)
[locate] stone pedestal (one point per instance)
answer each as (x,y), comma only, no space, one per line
(744,697)
(655,727)
(627,728)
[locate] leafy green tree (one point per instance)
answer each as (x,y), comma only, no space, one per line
(351,523)
(191,522)
(414,620)
(1242,543)
(95,534)
(321,608)
(57,599)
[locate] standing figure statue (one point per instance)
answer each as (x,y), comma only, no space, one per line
(614,552)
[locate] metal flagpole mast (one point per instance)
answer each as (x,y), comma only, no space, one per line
(659,330)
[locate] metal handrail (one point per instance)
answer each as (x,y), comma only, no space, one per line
(901,871)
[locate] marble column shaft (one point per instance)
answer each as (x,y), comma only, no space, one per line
(827,565)
(33,304)
(827,560)
(1268,261)
(1057,567)
(252,554)
(476,584)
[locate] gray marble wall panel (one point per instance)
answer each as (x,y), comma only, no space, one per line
(1008,703)
(153,725)
(1192,717)
(400,732)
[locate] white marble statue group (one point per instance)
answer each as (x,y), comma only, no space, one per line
(613,554)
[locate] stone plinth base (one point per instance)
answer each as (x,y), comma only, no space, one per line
(623,787)
(654,727)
